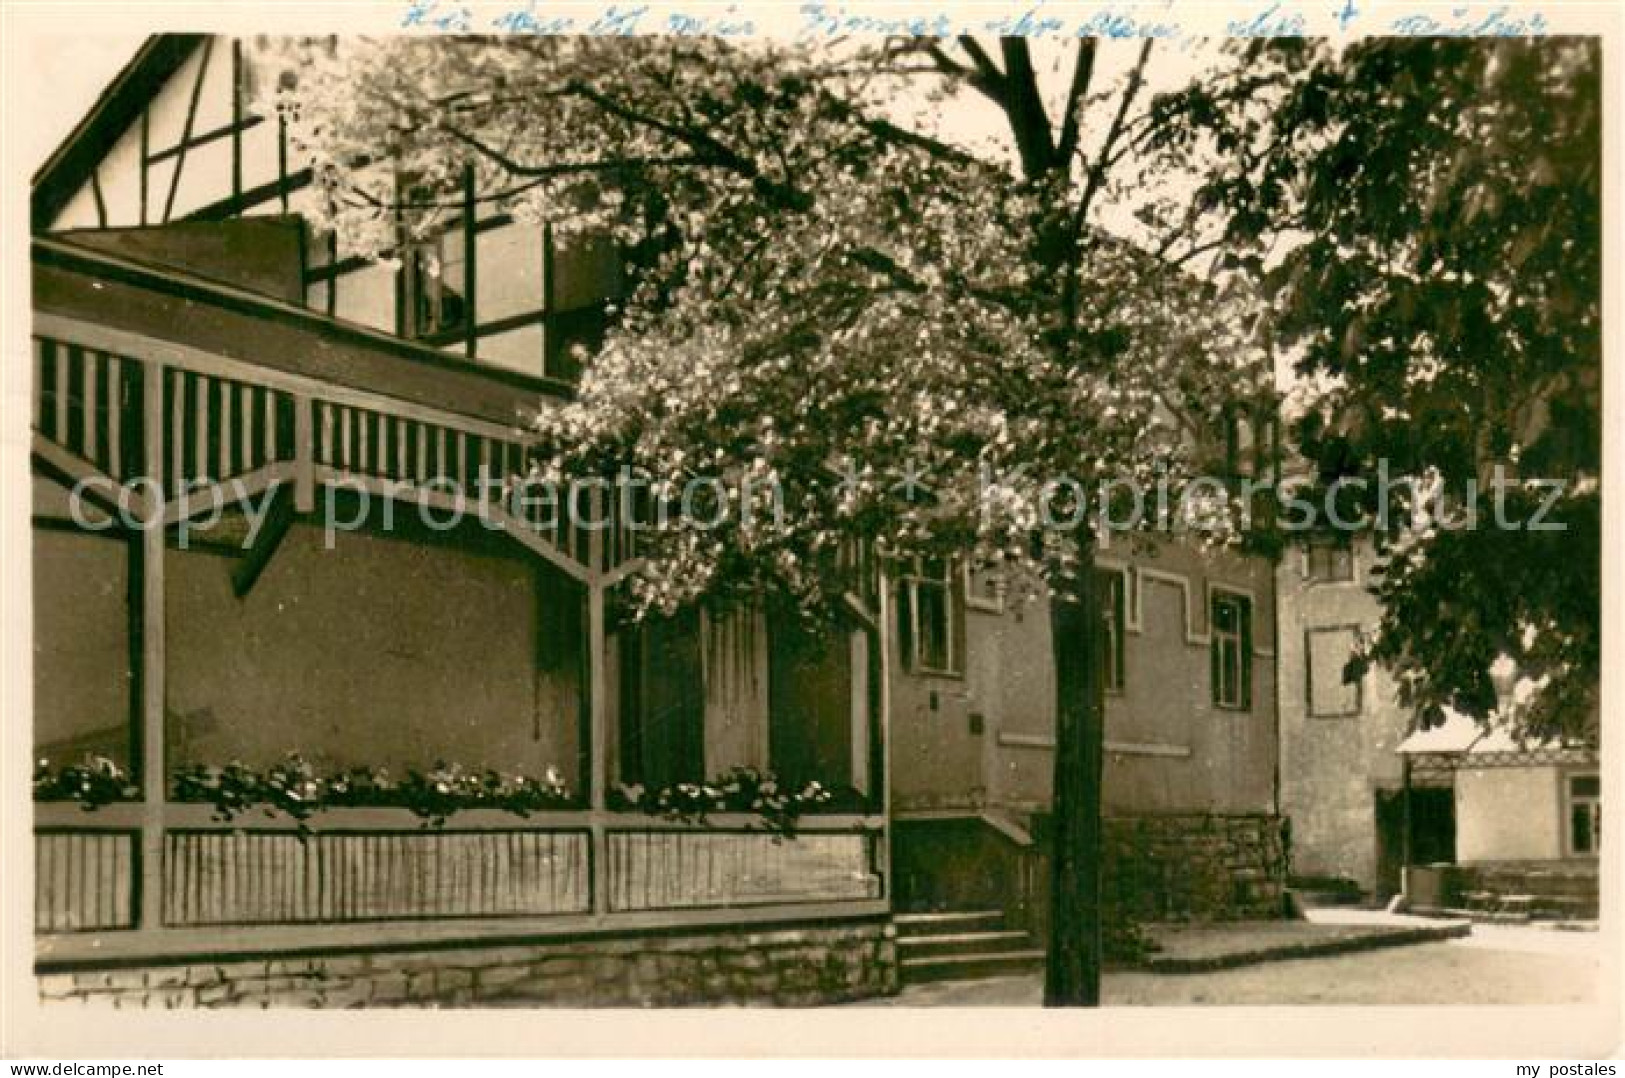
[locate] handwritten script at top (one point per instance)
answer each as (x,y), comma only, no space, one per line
(815,20)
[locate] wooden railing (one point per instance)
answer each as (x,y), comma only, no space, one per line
(109,405)
(664,870)
(271,877)
(380,865)
(84,879)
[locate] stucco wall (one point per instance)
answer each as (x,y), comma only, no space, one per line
(380,652)
(1333,766)
(1171,751)
(1508,814)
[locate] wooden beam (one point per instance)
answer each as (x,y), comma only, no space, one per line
(304,455)
(279,518)
(882,770)
(186,131)
(71,470)
(154,775)
(598,726)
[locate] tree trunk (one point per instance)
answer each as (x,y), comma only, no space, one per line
(1072,971)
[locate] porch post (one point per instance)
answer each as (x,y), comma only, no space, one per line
(1405,828)
(154,778)
(883,641)
(597,717)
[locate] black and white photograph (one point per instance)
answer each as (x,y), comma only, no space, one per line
(856,509)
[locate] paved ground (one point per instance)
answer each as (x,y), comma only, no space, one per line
(1496,964)
(1204,948)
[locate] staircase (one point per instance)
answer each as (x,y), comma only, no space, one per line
(962,945)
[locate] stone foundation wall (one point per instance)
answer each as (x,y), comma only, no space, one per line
(799,966)
(1195,867)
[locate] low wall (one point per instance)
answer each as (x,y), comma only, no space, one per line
(1195,867)
(787,966)
(1190,867)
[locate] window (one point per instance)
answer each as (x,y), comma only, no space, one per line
(1329,563)
(1230,618)
(1112,592)
(1329,651)
(926,622)
(985,589)
(437,288)
(1585,815)
(1251,437)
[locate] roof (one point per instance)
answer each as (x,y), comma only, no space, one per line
(71,164)
(1463,742)
(1456,734)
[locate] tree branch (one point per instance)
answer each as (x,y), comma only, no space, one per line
(1025,108)
(1083,73)
(986,70)
(1097,172)
(784,195)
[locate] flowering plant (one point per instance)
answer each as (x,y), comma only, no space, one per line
(95,782)
(295,787)
(740,789)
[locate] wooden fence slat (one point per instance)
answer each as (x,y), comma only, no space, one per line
(93,370)
(64,356)
(200,434)
(115,418)
(268,432)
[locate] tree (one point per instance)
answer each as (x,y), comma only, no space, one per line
(852,333)
(1426,214)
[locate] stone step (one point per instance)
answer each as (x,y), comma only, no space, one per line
(970,966)
(961,943)
(948,922)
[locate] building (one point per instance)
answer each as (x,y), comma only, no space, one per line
(1341,779)
(1537,858)
(265,522)
(1193,824)
(1384,808)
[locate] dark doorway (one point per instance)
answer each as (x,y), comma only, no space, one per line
(1433,832)
(1433,825)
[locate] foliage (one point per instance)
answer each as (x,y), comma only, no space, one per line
(848,333)
(1438,205)
(740,789)
(828,304)
(92,783)
(295,787)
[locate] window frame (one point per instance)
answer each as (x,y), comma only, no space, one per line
(1317,580)
(909,581)
(1591,802)
(1242,639)
(1309,635)
(990,601)
(420,285)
